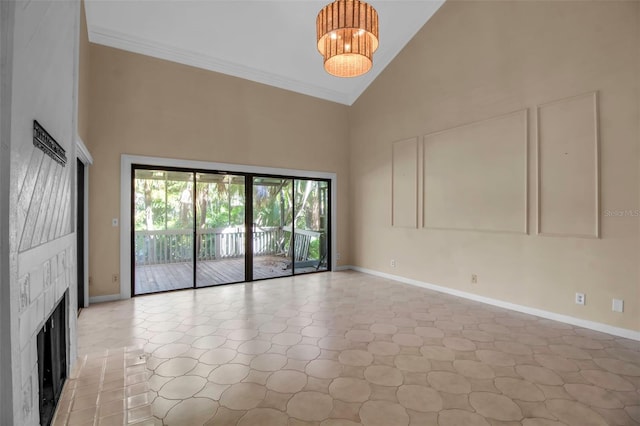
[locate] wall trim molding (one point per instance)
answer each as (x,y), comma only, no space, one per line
(342,268)
(592,325)
(520,113)
(395,181)
(82,152)
(594,95)
(104,298)
(127,160)
(155,49)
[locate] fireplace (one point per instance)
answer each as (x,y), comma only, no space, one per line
(52,361)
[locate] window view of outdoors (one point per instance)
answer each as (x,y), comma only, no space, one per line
(185,220)
(163,242)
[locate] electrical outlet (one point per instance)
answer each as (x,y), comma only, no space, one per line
(115,278)
(337,256)
(580,299)
(393,263)
(617,305)
(114,222)
(474,279)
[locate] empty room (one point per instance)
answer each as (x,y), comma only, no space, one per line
(327,213)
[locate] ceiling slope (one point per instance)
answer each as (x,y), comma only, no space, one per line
(270,42)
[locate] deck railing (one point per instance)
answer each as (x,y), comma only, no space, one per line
(302,242)
(174,246)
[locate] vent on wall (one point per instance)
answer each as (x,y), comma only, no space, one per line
(43,140)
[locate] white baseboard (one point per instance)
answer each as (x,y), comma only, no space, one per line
(592,325)
(342,268)
(105,298)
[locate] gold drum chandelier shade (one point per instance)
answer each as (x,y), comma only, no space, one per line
(347,37)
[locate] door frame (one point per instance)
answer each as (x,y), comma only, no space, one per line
(83,154)
(127,161)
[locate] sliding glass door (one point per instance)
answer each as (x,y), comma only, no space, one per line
(272,215)
(196,228)
(220,229)
(311,226)
(163,230)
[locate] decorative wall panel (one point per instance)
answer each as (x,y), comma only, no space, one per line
(568,167)
(405,184)
(44,201)
(475,176)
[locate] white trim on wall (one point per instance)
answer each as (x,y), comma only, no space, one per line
(85,157)
(82,152)
(592,325)
(520,114)
(105,298)
(596,152)
(126,161)
(342,268)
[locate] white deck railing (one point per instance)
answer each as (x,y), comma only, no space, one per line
(174,246)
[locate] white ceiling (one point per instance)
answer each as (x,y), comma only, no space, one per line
(270,42)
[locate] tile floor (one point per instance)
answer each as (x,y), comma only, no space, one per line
(347,348)
(107,388)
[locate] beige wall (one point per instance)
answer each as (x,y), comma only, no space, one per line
(145,106)
(477,60)
(473,61)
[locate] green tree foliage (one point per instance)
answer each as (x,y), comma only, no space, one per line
(162,204)
(164,201)
(222,204)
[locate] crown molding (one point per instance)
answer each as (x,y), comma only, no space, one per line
(118,40)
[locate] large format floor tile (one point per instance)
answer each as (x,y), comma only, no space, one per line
(346,349)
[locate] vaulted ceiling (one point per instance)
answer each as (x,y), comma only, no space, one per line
(270,42)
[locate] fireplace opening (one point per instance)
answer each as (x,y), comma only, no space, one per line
(52,361)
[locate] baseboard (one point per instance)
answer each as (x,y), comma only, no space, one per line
(105,298)
(592,325)
(342,268)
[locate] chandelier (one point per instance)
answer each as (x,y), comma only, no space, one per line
(347,37)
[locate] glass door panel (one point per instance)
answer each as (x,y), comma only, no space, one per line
(190,228)
(272,227)
(163,230)
(220,229)
(311,226)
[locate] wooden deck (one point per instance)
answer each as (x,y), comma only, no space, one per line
(173,276)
